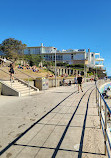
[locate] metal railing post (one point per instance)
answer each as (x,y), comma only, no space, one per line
(96,94)
(100,111)
(28,85)
(105,128)
(11,83)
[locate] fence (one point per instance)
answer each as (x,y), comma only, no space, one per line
(105,123)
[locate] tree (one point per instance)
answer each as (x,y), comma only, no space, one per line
(33,59)
(48,63)
(12,48)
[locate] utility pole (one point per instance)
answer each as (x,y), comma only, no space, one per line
(55,69)
(84,72)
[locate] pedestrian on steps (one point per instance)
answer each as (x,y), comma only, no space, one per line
(11,73)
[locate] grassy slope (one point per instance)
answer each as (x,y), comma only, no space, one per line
(20,75)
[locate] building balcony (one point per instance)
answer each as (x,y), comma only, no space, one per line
(99,59)
(99,65)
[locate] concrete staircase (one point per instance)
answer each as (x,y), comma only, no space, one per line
(18,88)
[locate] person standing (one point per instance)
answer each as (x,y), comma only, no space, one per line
(11,73)
(79,82)
(63,81)
(4,61)
(75,80)
(95,80)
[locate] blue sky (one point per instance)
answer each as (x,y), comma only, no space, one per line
(76,24)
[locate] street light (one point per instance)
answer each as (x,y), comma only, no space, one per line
(84,72)
(55,67)
(85,69)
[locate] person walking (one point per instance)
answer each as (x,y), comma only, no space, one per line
(79,82)
(11,73)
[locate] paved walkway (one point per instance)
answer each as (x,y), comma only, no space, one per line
(58,122)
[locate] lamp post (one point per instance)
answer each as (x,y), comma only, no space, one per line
(55,68)
(84,72)
(96,72)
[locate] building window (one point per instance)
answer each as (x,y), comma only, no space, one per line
(72,56)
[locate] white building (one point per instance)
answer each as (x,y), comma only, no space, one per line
(94,59)
(71,56)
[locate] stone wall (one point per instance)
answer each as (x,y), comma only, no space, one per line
(9,91)
(51,82)
(0,88)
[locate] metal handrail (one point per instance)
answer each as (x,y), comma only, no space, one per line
(28,78)
(25,73)
(103,121)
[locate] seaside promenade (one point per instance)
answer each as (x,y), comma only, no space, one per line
(58,122)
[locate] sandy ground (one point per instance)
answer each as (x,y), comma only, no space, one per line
(68,131)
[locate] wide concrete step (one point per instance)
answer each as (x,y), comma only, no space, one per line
(19,86)
(31,93)
(22,88)
(13,84)
(26,90)
(15,81)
